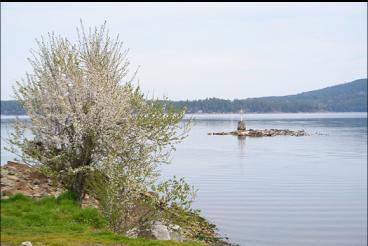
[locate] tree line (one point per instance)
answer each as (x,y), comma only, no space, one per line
(348,97)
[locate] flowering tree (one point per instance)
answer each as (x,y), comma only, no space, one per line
(87,116)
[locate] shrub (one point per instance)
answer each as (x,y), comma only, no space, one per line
(89,216)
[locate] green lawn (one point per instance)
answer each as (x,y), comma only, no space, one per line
(60,221)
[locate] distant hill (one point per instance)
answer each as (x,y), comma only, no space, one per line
(348,97)
(11,107)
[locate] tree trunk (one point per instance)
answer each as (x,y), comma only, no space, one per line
(78,187)
(79,182)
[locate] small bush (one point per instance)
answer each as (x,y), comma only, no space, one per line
(89,216)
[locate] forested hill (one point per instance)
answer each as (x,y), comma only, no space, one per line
(348,97)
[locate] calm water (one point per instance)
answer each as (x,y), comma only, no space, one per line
(279,190)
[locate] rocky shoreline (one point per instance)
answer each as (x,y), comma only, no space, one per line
(20,178)
(29,181)
(262,133)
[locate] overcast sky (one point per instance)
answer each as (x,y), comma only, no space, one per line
(199,50)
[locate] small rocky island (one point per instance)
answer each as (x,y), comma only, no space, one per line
(242,131)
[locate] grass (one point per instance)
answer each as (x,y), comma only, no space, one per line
(60,221)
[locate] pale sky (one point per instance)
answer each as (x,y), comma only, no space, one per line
(199,50)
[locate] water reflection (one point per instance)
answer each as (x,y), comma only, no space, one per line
(241,144)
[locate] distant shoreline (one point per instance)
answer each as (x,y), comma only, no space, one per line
(231,113)
(236,115)
(347,97)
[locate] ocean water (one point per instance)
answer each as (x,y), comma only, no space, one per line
(281,190)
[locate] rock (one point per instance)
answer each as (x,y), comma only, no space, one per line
(11,192)
(132,233)
(26,243)
(12,177)
(220,133)
(262,133)
(27,180)
(176,233)
(6,182)
(162,232)
(36,195)
(11,173)
(158,231)
(89,202)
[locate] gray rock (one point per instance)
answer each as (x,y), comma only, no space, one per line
(26,243)
(262,133)
(12,177)
(162,232)
(132,233)
(158,231)
(175,233)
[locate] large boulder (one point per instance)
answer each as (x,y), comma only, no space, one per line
(159,231)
